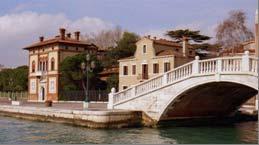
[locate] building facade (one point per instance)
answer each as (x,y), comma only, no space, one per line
(44,59)
(153,57)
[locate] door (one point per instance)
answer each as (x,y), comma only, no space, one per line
(42,93)
(144,71)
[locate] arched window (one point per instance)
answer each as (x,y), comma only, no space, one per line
(52,63)
(33,66)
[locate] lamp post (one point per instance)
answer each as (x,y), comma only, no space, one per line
(86,67)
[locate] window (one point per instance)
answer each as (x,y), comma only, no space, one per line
(52,85)
(190,52)
(33,66)
(177,49)
(125,70)
(76,48)
(40,66)
(155,68)
(124,87)
(133,69)
(144,49)
(47,67)
(66,47)
(52,65)
(43,66)
(33,86)
(166,66)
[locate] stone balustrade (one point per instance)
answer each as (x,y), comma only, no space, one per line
(236,64)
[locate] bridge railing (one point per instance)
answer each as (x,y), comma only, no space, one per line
(253,66)
(243,63)
(179,73)
(232,64)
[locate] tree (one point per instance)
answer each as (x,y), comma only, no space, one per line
(14,79)
(113,81)
(105,38)
(126,47)
(179,35)
(72,77)
(233,31)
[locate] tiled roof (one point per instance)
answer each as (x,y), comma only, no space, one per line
(168,52)
(131,57)
(248,42)
(108,71)
(166,42)
(58,39)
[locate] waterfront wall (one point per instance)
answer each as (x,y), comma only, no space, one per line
(87,118)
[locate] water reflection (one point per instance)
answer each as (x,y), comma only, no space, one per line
(22,131)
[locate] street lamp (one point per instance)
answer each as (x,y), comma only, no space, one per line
(86,67)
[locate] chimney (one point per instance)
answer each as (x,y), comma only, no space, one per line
(185,46)
(148,36)
(68,35)
(77,35)
(62,32)
(41,38)
(154,38)
(256,34)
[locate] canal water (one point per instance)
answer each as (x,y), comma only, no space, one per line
(14,130)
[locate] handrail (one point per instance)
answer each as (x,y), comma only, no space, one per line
(214,65)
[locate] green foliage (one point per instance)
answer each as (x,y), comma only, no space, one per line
(113,81)
(72,76)
(195,36)
(125,48)
(14,79)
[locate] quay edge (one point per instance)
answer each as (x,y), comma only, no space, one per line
(85,118)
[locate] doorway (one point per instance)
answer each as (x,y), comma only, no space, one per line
(144,71)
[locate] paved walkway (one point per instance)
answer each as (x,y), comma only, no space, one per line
(61,105)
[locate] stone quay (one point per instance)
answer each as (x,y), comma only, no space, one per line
(91,118)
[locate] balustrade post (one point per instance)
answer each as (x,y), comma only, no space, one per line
(219,65)
(110,101)
(245,62)
(195,65)
(165,78)
(133,91)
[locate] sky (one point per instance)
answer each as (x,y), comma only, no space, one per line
(23,21)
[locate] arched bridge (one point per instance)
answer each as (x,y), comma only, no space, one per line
(201,88)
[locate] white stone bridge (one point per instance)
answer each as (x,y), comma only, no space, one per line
(201,88)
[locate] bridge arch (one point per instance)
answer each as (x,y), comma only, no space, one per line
(194,92)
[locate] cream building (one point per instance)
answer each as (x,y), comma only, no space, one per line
(44,59)
(152,57)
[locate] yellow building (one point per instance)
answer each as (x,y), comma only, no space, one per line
(44,59)
(152,57)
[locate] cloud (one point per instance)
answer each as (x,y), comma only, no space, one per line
(21,29)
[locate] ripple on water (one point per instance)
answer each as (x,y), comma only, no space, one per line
(22,131)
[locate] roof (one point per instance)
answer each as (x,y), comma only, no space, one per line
(131,57)
(58,39)
(108,71)
(166,42)
(237,50)
(248,42)
(168,52)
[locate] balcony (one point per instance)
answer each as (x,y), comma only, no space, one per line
(40,73)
